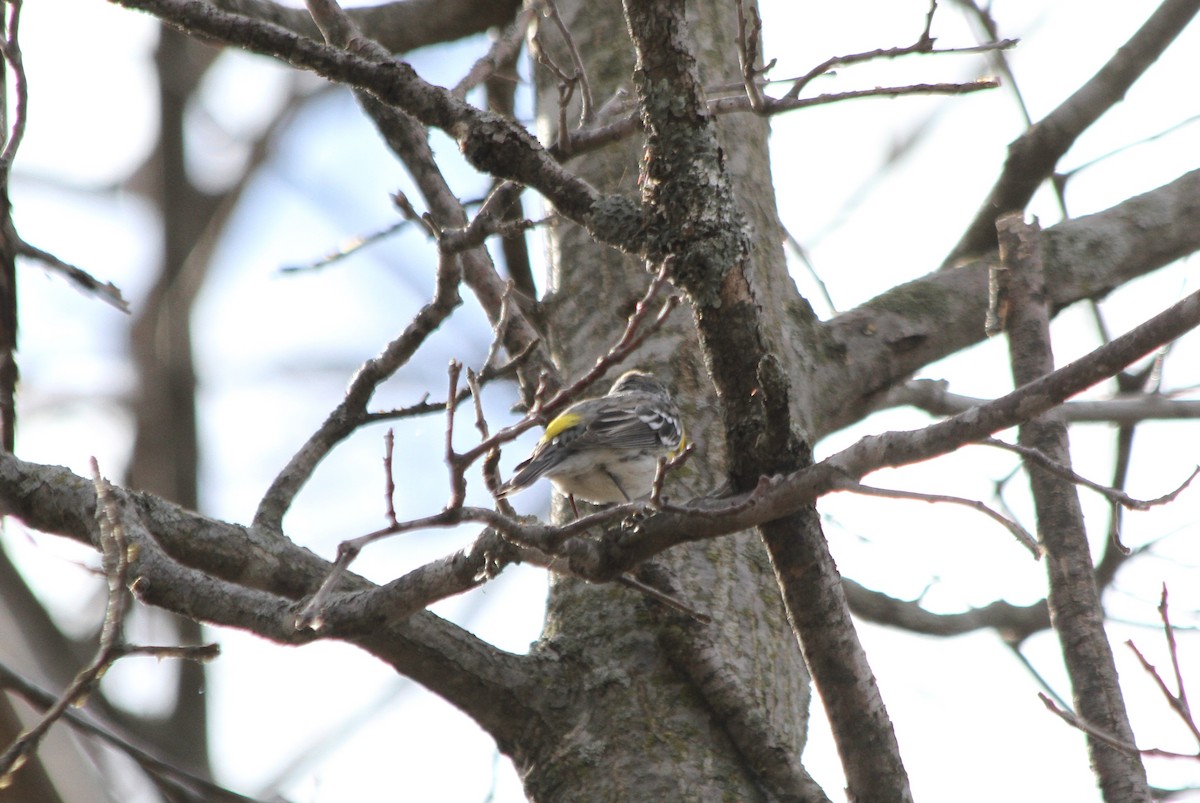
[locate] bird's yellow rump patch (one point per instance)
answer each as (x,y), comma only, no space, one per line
(562,422)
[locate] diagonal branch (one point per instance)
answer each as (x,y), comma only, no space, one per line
(491,143)
(1020,533)
(408,139)
(400,25)
(1033,156)
(780,496)
(165,774)
(352,412)
(1116,496)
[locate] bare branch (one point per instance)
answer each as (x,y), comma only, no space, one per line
(749,53)
(923,45)
(458,479)
(802,254)
(105,291)
(933,396)
(389,445)
(163,772)
(1074,600)
(10,47)
(1020,533)
(503,50)
(347,249)
(1075,721)
(112,647)
(1033,155)
(580,72)
(666,466)
(1177,700)
(594,138)
(1115,495)
(351,413)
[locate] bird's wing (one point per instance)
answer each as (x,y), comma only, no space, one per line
(641,427)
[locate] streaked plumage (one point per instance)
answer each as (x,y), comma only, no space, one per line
(607,449)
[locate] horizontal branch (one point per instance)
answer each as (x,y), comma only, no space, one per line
(590,139)
(244,577)
(934,397)
(1015,622)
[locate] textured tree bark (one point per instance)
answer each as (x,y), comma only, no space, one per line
(670,708)
(759,362)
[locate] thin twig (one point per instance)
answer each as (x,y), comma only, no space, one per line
(1113,494)
(1185,709)
(597,137)
(346,249)
(105,291)
(116,563)
(504,49)
(1020,533)
(580,76)
(1177,700)
(163,772)
(1077,722)
(802,254)
(749,47)
(666,599)
(458,480)
(991,33)
(481,423)
(389,445)
(111,648)
(923,45)
(785,104)
(666,466)
(11,48)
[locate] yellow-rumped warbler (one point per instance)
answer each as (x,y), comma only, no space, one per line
(607,449)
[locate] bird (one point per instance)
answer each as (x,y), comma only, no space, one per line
(606,450)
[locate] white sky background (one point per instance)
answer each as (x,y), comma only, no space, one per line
(275,353)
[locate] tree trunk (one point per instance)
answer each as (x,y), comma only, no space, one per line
(668,708)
